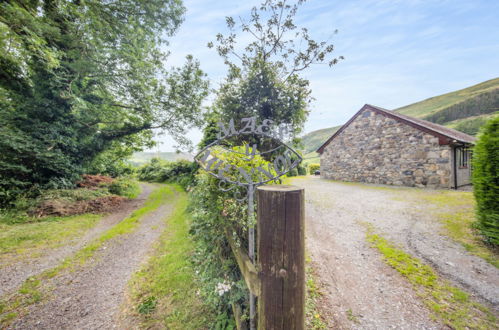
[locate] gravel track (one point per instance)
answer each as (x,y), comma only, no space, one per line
(91,296)
(14,274)
(362,292)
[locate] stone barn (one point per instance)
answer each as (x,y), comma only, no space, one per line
(381,146)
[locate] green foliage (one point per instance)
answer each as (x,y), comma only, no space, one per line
(212,212)
(168,279)
(313,167)
(80,78)
(125,187)
(263,82)
(301,169)
(181,171)
(112,162)
(147,306)
(486,180)
(471,125)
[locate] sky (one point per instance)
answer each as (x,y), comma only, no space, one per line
(397,52)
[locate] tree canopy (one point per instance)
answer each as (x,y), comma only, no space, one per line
(486,180)
(263,77)
(78,78)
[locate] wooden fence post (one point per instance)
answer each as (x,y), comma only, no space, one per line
(281,257)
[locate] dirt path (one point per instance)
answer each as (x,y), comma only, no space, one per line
(14,274)
(362,291)
(90,297)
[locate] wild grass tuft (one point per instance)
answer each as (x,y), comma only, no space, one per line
(314,320)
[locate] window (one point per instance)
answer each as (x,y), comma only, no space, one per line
(463,157)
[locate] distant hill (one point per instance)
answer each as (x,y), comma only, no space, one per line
(140,158)
(465,110)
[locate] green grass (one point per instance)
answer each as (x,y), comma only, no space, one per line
(33,290)
(314,320)
(27,239)
(313,140)
(311,158)
(456,211)
(447,303)
(140,158)
(471,125)
(155,200)
(163,292)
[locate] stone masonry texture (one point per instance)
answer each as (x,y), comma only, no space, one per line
(377,149)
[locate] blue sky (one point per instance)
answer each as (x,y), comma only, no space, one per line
(396,51)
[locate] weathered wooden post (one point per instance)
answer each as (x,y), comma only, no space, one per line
(281,257)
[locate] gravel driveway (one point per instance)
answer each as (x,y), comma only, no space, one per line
(91,296)
(361,291)
(14,274)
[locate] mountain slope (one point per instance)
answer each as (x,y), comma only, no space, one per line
(429,107)
(465,110)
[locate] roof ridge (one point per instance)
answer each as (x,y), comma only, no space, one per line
(421,124)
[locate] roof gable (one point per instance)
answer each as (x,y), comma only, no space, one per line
(445,135)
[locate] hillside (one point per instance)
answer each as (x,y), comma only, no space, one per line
(465,110)
(140,158)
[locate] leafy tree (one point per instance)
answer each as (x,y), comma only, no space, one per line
(486,180)
(263,78)
(78,78)
(263,81)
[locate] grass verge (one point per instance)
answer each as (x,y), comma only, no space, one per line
(314,320)
(163,294)
(32,290)
(27,239)
(447,303)
(456,211)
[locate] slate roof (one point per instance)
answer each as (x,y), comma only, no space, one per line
(446,135)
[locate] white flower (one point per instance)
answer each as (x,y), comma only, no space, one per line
(223,287)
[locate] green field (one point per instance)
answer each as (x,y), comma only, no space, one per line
(465,110)
(140,158)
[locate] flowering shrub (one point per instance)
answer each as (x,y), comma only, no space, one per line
(213,212)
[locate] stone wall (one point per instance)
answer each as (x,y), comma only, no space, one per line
(377,149)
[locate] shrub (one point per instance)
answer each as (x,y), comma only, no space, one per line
(486,180)
(293,172)
(313,167)
(125,187)
(213,211)
(302,170)
(157,170)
